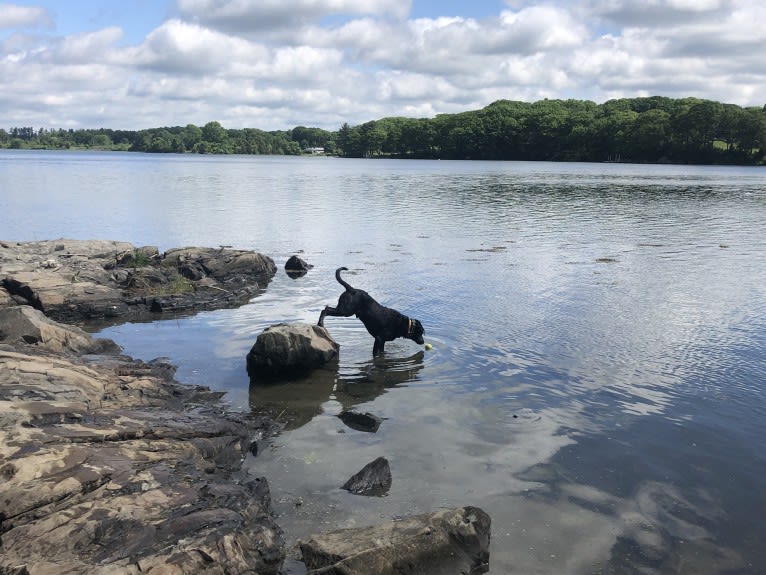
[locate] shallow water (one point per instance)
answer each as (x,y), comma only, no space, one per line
(597,382)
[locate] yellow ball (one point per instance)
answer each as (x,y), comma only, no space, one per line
(429,346)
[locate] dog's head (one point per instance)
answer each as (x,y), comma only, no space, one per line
(416,332)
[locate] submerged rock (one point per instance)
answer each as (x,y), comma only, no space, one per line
(284,349)
(366,422)
(374,479)
(451,542)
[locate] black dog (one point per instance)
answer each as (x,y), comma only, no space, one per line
(383,323)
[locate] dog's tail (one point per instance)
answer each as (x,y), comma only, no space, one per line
(340,279)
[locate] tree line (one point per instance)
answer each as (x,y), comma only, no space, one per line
(651,130)
(212,138)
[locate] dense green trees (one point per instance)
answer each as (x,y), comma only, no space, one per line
(212,138)
(656,129)
(653,130)
(28,137)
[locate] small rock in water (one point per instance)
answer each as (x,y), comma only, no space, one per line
(361,421)
(374,479)
(296,267)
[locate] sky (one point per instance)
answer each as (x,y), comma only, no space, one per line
(278,64)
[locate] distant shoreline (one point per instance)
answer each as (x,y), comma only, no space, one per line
(652,130)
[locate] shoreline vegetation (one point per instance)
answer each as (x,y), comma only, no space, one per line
(631,130)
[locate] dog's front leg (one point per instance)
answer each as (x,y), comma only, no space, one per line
(325,311)
(378,346)
(331,311)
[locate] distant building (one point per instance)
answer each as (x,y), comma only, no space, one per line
(317,150)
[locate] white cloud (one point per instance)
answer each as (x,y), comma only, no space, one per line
(656,13)
(540,28)
(180,47)
(266,15)
(274,64)
(14,16)
(85,48)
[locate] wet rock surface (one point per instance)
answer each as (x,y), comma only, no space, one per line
(296,267)
(79,280)
(374,479)
(109,465)
(450,542)
(366,422)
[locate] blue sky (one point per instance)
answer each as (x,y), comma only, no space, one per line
(275,64)
(139,17)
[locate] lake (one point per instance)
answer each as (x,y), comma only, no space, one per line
(597,381)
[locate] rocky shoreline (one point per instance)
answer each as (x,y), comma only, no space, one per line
(109,465)
(74,281)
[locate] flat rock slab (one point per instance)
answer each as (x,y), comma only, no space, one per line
(108,465)
(289,348)
(451,542)
(80,280)
(25,325)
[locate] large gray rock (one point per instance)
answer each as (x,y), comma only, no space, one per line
(78,280)
(284,349)
(23,324)
(451,542)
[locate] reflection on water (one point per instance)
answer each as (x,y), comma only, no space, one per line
(295,401)
(597,379)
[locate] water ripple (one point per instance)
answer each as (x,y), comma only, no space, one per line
(596,329)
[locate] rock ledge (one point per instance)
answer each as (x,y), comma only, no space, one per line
(447,542)
(109,465)
(79,280)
